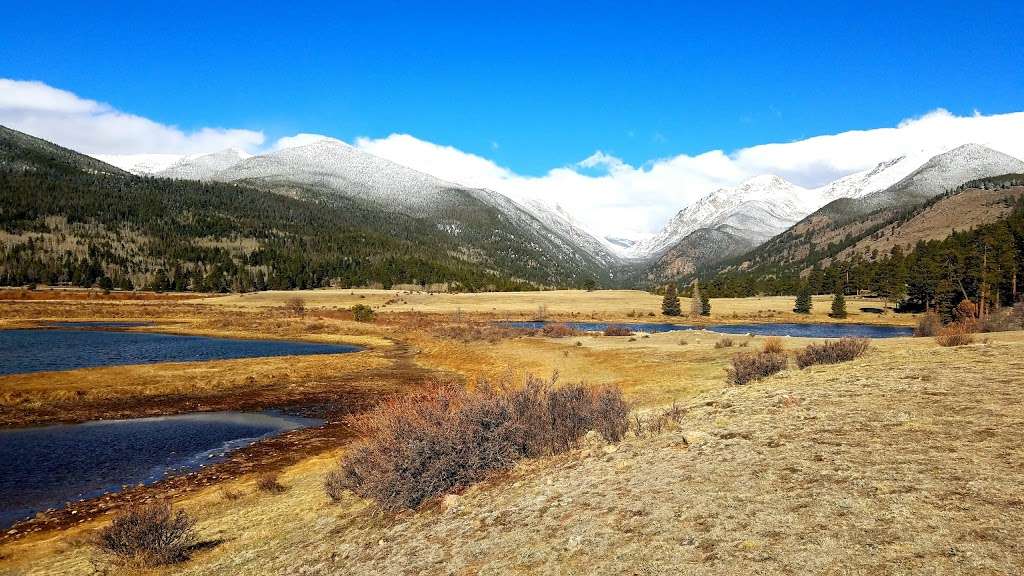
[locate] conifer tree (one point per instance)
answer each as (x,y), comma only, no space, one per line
(838,305)
(670,303)
(803,300)
(705,304)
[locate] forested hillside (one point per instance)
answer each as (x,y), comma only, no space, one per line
(68,218)
(983,261)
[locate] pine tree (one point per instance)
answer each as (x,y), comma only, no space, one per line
(838,305)
(696,308)
(803,300)
(670,303)
(705,304)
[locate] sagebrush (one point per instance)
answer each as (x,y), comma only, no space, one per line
(831,352)
(148,535)
(750,366)
(427,444)
(616,330)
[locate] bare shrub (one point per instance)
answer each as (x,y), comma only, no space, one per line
(749,366)
(928,325)
(724,343)
(423,445)
(558,331)
(148,535)
(955,334)
(833,352)
(270,484)
(295,305)
(773,345)
(617,330)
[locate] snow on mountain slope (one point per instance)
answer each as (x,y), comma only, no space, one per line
(204,166)
(880,177)
(756,209)
(562,223)
(142,164)
(334,165)
(941,173)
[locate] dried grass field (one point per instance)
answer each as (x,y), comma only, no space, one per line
(903,461)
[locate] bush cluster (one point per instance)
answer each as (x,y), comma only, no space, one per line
(558,330)
(749,366)
(724,343)
(423,445)
(833,352)
(616,330)
(148,535)
(1004,319)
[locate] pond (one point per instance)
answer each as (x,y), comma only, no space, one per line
(45,467)
(777,329)
(42,349)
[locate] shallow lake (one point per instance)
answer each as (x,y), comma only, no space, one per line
(45,467)
(778,329)
(41,349)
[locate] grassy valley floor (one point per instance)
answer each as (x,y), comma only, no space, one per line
(904,461)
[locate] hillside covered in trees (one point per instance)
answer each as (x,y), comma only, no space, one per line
(66,218)
(984,263)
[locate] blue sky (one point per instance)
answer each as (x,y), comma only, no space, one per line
(531,86)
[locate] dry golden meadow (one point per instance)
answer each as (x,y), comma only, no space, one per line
(904,461)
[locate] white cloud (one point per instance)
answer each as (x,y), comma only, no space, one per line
(602,192)
(636,201)
(97,128)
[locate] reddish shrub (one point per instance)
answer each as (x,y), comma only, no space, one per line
(834,352)
(616,330)
(558,331)
(423,445)
(749,366)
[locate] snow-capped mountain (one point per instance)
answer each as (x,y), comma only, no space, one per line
(334,165)
(333,171)
(941,173)
(204,166)
(756,210)
(142,164)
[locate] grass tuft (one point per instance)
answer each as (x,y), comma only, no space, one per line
(773,345)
